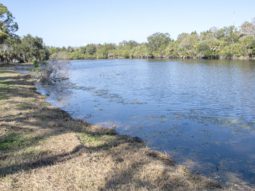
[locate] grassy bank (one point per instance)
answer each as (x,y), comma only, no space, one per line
(43,148)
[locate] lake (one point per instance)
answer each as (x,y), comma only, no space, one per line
(201,112)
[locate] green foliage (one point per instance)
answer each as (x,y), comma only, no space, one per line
(13,141)
(140,51)
(7,24)
(227,42)
(32,48)
(157,44)
(90,49)
(16,49)
(230,51)
(187,44)
(95,140)
(25,49)
(248,28)
(36,64)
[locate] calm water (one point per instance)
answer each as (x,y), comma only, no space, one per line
(202,113)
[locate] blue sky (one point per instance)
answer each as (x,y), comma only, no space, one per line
(78,22)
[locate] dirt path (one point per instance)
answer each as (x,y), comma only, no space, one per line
(43,148)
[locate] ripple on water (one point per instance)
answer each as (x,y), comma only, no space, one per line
(200,112)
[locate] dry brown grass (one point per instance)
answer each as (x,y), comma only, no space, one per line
(43,148)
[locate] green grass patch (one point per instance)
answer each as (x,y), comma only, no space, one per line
(25,106)
(6,71)
(15,140)
(3,88)
(3,97)
(95,140)
(4,85)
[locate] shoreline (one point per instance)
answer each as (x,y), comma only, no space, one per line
(241,59)
(43,147)
(159,58)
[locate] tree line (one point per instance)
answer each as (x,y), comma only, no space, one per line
(14,48)
(216,43)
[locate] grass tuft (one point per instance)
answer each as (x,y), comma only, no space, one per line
(12,141)
(94,139)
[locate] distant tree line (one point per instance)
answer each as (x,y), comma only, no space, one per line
(18,49)
(216,43)
(226,43)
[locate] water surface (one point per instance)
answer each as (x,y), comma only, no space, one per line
(201,112)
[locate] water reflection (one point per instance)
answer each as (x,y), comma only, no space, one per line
(201,112)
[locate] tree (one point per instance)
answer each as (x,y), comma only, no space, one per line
(227,42)
(32,48)
(230,51)
(105,50)
(208,49)
(187,44)
(251,48)
(91,49)
(171,50)
(248,28)
(247,44)
(157,43)
(125,49)
(128,44)
(140,51)
(229,34)
(8,50)
(16,49)
(7,24)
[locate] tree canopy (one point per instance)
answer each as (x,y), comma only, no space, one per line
(228,42)
(18,49)
(7,24)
